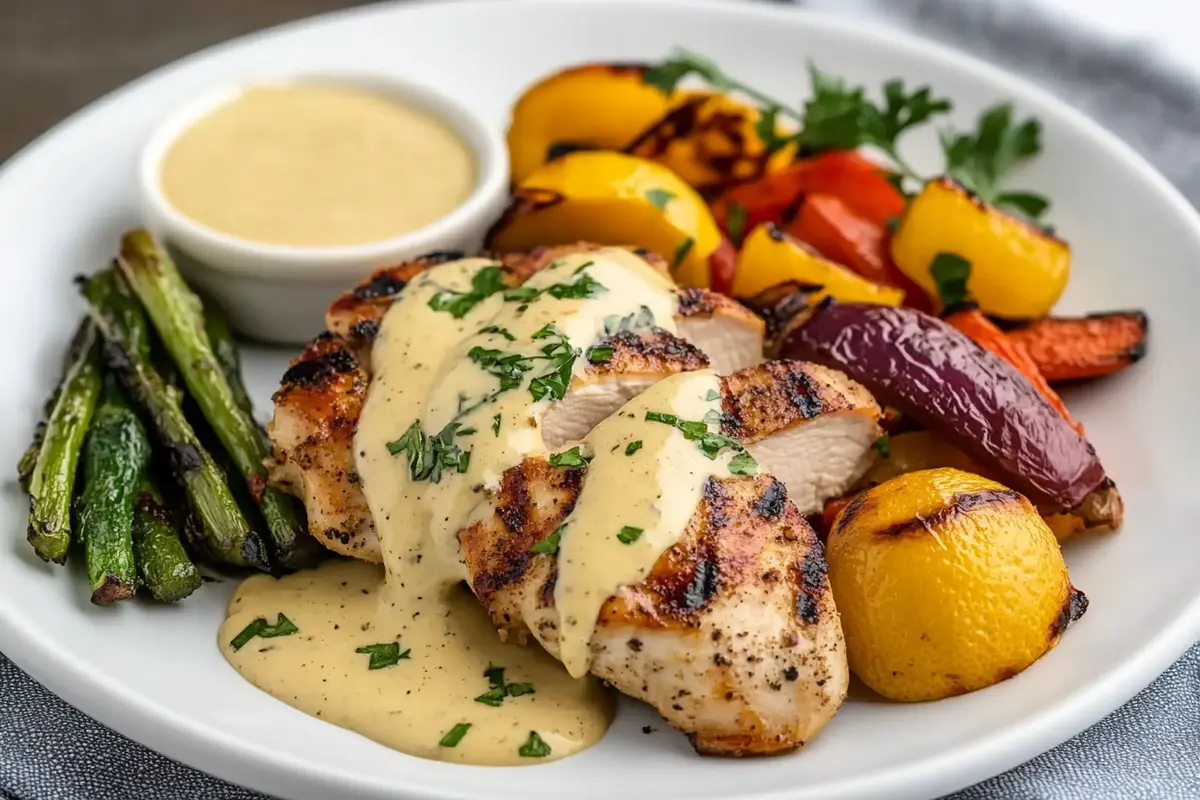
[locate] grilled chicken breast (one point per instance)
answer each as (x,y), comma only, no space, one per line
(733,637)
(320,398)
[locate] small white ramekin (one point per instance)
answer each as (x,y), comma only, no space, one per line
(277,293)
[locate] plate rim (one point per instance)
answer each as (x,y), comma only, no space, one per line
(168,733)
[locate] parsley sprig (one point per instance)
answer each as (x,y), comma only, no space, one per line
(261,628)
(840,116)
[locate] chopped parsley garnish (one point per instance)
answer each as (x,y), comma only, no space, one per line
(659,197)
(614,323)
(546,331)
(455,735)
(508,367)
(484,284)
(681,251)
(571,459)
(549,545)
(499,331)
(633,447)
(383,655)
(713,417)
(884,446)
(600,353)
(950,272)
(735,223)
(500,689)
(430,456)
(265,630)
(629,534)
(712,394)
(710,444)
(534,747)
(581,287)
(496,425)
(554,382)
(743,464)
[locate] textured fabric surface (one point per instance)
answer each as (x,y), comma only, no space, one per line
(1148,749)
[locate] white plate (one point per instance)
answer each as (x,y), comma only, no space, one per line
(155,675)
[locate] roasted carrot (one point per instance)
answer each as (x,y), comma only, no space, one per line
(1075,348)
(857,181)
(827,224)
(984,333)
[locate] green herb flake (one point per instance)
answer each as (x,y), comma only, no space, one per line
(712,394)
(494,675)
(455,735)
(600,354)
(681,251)
(383,655)
(549,545)
(582,287)
(711,444)
(493,697)
(743,464)
(633,447)
(884,446)
(264,630)
(950,272)
(659,198)
(496,425)
(500,689)
(484,284)
(629,534)
(735,223)
(534,747)
(571,459)
(430,456)
(499,331)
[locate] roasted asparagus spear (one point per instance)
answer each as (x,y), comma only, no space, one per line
(178,315)
(163,564)
(115,456)
(226,532)
(225,350)
(51,480)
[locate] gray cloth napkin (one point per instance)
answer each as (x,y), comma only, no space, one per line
(1148,749)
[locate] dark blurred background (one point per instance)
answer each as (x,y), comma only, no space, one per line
(58,55)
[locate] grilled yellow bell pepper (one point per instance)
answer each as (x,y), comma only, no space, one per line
(769,257)
(1017,270)
(615,199)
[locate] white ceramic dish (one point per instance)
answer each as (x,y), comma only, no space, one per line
(275,293)
(155,674)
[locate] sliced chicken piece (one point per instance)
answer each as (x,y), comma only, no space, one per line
(733,637)
(639,360)
(316,413)
(810,426)
(729,333)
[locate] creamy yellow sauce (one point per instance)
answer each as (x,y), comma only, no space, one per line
(315,164)
(431,375)
(343,606)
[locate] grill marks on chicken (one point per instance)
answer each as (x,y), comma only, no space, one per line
(732,637)
(316,414)
(810,426)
